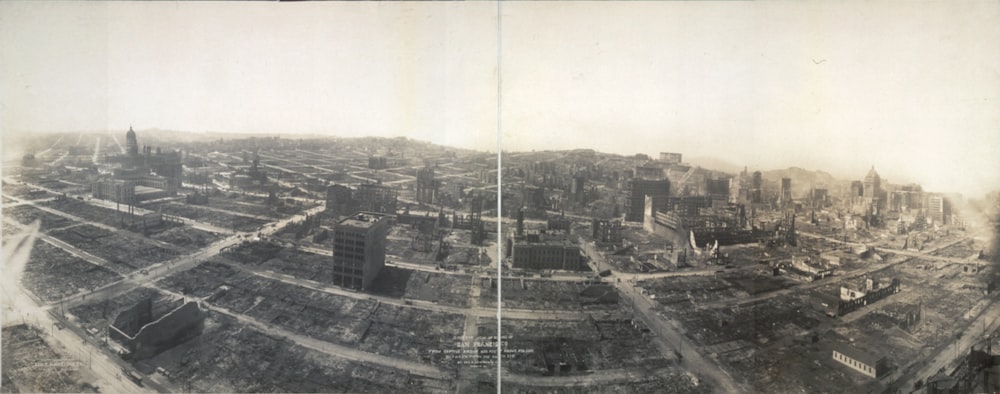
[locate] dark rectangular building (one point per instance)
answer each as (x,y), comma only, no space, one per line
(359,249)
(638,189)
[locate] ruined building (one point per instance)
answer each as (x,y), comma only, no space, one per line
(638,189)
(606,232)
(785,194)
(147,329)
(426,186)
(543,251)
(140,177)
(376,198)
(339,200)
(861,361)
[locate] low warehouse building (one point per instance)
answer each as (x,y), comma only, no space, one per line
(861,361)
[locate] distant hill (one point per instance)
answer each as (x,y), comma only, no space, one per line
(715,164)
(802,179)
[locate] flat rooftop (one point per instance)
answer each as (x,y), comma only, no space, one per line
(550,239)
(362,219)
(140,190)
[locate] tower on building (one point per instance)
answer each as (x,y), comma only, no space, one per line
(872,184)
(131,143)
(785,198)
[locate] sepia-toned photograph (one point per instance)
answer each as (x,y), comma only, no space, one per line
(500,197)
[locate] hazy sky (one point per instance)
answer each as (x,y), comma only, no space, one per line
(909,87)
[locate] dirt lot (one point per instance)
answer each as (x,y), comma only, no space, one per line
(185,237)
(286,260)
(362,323)
(24,192)
(96,214)
(692,289)
(421,285)
(128,252)
(52,273)
(550,348)
(229,357)
(673,382)
(519,293)
(25,214)
(216,218)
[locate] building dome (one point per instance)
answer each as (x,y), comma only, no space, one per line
(131,143)
(872,174)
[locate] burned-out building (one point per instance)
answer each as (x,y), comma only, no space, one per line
(670,157)
(378,162)
(785,193)
(577,191)
(546,251)
(339,200)
(638,189)
(426,186)
(543,250)
(700,221)
(534,198)
(854,297)
(819,197)
(147,328)
(717,189)
(140,176)
(861,361)
(376,198)
(606,232)
(131,187)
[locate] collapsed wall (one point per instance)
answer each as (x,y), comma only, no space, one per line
(176,326)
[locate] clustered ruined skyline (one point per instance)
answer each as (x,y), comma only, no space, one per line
(914,95)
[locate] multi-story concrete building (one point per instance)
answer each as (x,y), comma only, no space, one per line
(130,188)
(359,249)
(638,189)
(376,198)
(717,189)
(872,184)
(378,163)
(426,187)
(339,200)
(546,252)
(650,171)
(819,197)
(938,209)
(907,197)
(606,232)
(670,157)
(577,192)
(140,177)
(874,196)
(785,196)
(756,188)
(534,197)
